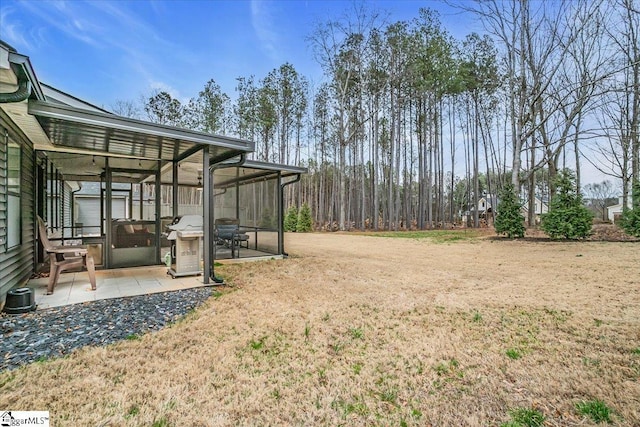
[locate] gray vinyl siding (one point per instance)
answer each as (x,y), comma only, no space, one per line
(3,193)
(16,263)
(88,214)
(66,210)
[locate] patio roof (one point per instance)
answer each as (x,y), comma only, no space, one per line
(253,171)
(81,131)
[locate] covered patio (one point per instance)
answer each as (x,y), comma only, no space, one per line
(126,157)
(144,178)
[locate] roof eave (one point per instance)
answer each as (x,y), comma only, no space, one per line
(275,167)
(23,67)
(64,112)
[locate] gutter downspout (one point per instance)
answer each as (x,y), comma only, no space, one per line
(240,162)
(224,190)
(281,222)
(22,93)
(211,217)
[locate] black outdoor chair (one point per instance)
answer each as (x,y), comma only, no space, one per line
(227,233)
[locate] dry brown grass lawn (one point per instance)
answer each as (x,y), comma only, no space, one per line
(363,330)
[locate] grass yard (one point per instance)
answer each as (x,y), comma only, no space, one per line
(371,330)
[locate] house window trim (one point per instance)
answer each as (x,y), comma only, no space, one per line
(11,192)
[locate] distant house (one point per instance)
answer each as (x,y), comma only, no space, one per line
(615,211)
(487,207)
(541,208)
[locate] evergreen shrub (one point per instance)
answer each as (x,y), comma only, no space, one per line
(568,217)
(509,220)
(304,219)
(631,217)
(291,219)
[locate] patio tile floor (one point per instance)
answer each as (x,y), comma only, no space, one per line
(73,288)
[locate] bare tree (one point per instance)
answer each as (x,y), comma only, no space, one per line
(554,64)
(600,195)
(617,138)
(341,48)
(126,108)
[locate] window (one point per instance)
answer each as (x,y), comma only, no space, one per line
(14,223)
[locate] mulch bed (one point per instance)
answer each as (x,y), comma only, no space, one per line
(55,332)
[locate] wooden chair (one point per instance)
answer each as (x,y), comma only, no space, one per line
(62,258)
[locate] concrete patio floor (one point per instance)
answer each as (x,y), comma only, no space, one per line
(73,288)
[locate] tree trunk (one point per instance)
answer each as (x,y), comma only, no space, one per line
(476,181)
(531,215)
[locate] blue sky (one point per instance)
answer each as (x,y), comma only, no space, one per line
(103,51)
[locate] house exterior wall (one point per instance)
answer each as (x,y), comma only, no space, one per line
(3,192)
(58,208)
(87,211)
(614,212)
(16,263)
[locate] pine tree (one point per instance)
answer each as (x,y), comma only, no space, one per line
(304,219)
(291,219)
(568,217)
(268,220)
(631,217)
(509,220)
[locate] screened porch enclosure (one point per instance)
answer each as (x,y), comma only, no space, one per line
(248,196)
(115,183)
(81,143)
(120,208)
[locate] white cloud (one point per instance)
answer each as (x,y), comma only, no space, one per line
(264,27)
(11,32)
(163,87)
(97,24)
(112,27)
(126,23)
(68,20)
(142,46)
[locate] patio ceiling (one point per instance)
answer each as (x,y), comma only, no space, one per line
(87,167)
(82,140)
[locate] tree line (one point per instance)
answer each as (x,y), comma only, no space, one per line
(410,126)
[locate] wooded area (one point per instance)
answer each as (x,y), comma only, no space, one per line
(410,127)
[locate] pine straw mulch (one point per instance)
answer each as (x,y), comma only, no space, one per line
(601,232)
